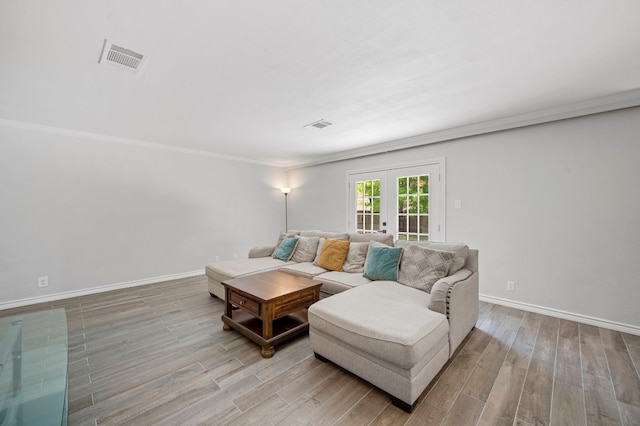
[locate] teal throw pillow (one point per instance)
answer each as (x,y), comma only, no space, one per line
(286,248)
(382,263)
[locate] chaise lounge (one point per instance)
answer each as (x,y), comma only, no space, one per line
(395,331)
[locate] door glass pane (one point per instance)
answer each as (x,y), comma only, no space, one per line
(402,204)
(413,204)
(402,224)
(413,184)
(367,206)
(413,207)
(424,184)
(413,224)
(402,185)
(424,224)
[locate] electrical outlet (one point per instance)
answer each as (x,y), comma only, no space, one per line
(511,286)
(235,255)
(217,258)
(43,281)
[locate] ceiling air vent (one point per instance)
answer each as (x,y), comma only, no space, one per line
(320,124)
(120,57)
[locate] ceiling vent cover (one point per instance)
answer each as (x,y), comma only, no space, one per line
(120,57)
(320,124)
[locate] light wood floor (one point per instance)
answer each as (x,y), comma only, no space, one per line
(157,354)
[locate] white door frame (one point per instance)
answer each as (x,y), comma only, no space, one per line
(440,161)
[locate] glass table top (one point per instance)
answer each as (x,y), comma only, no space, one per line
(33,368)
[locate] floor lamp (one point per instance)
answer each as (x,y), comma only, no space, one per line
(286,192)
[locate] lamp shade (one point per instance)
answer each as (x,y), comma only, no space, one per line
(285,190)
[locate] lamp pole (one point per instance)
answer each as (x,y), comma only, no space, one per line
(286,213)
(286,192)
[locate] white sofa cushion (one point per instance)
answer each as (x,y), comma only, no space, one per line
(385,319)
(334,282)
(305,269)
(226,269)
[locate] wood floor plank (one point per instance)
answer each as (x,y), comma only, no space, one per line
(483,377)
(216,408)
(340,403)
(260,393)
(568,365)
(624,375)
(568,405)
(365,410)
(465,411)
(630,414)
(157,354)
(600,401)
(426,414)
(257,413)
(502,403)
(390,416)
(535,401)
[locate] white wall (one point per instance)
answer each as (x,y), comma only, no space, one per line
(554,207)
(89,213)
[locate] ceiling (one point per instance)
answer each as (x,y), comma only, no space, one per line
(241,79)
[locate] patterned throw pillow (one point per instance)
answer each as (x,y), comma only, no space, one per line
(333,254)
(421,267)
(306,249)
(355,257)
(286,248)
(382,262)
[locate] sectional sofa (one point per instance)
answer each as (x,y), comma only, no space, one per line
(395,331)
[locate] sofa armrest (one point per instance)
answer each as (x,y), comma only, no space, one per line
(261,251)
(440,290)
(457,297)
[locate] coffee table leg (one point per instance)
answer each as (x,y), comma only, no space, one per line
(268,352)
(228,309)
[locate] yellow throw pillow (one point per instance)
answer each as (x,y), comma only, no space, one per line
(333,254)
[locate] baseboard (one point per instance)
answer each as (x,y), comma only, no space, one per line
(556,313)
(94,290)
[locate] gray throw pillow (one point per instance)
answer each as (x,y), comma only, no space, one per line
(306,249)
(421,267)
(355,257)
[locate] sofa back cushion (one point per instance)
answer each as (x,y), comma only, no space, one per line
(421,267)
(461,251)
(386,239)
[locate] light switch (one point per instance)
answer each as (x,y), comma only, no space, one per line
(458,204)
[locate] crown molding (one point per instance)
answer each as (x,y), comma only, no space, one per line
(578,109)
(613,102)
(124,141)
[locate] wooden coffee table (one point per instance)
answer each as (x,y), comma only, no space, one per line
(271,307)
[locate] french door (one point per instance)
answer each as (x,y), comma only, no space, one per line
(405,201)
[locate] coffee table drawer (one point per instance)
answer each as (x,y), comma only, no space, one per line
(245,303)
